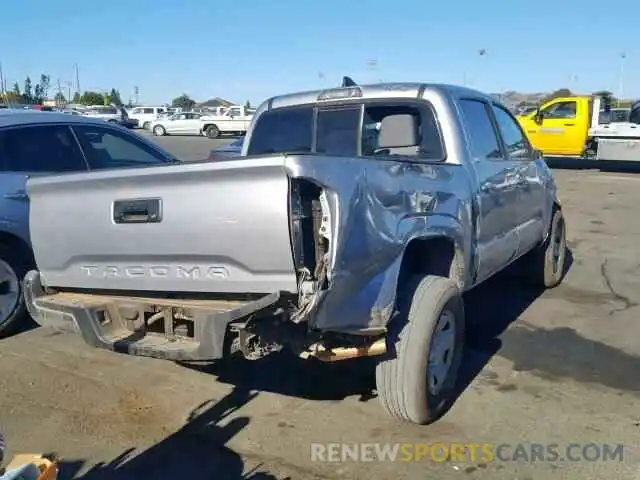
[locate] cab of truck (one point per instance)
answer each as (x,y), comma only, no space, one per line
(560,126)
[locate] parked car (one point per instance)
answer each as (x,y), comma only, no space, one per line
(111,114)
(145,115)
(188,123)
(323,238)
(231,150)
(35,144)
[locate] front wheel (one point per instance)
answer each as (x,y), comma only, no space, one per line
(544,266)
(13,267)
(417,378)
(145,125)
(159,131)
(212,132)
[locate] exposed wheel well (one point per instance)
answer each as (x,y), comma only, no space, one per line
(17,243)
(435,256)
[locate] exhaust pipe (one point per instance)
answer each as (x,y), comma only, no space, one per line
(319,351)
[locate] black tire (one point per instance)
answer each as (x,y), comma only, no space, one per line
(212,132)
(20,262)
(544,266)
(145,125)
(159,131)
(401,376)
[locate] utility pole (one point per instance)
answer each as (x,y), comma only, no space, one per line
(136,92)
(59,92)
(3,85)
(77,79)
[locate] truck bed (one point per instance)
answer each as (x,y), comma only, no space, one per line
(201,227)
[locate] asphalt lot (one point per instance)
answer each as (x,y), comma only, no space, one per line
(190,148)
(558,368)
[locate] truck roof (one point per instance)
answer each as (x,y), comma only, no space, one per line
(374,91)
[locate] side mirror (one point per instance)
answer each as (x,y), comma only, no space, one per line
(538,117)
(537,154)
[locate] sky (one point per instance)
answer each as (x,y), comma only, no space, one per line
(253,49)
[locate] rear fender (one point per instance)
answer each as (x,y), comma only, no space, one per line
(359,304)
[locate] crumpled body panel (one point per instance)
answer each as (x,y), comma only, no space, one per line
(377,207)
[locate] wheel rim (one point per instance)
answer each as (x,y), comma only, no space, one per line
(441,351)
(9,291)
(158,130)
(558,246)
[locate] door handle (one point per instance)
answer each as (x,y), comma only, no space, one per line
(17,195)
(531,131)
(137,211)
(569,124)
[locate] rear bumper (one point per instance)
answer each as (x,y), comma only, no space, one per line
(100,320)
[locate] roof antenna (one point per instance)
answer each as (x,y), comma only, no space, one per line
(348,82)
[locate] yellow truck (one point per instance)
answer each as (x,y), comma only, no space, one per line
(581,126)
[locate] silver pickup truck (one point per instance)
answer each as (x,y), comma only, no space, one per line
(350,225)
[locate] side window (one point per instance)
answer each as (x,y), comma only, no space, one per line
(482,135)
(337,131)
(50,148)
(147,110)
(401,130)
(514,139)
(287,130)
(561,110)
(106,148)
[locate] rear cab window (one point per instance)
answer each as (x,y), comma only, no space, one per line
(379,129)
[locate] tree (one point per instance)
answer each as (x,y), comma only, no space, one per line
(44,85)
(13,97)
(91,98)
(16,90)
(114,97)
(247,105)
(77,98)
(184,101)
(27,94)
(60,99)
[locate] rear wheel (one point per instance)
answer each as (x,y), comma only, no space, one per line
(212,131)
(14,265)
(417,378)
(159,131)
(145,125)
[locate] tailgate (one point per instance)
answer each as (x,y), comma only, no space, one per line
(200,227)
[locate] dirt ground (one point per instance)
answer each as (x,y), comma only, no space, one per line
(558,368)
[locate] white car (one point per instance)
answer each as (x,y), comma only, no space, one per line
(188,123)
(146,115)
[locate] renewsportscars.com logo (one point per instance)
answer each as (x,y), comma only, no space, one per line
(466,452)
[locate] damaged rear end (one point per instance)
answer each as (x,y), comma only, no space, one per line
(185,262)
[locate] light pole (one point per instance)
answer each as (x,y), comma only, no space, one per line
(372,66)
(482,52)
(623,57)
